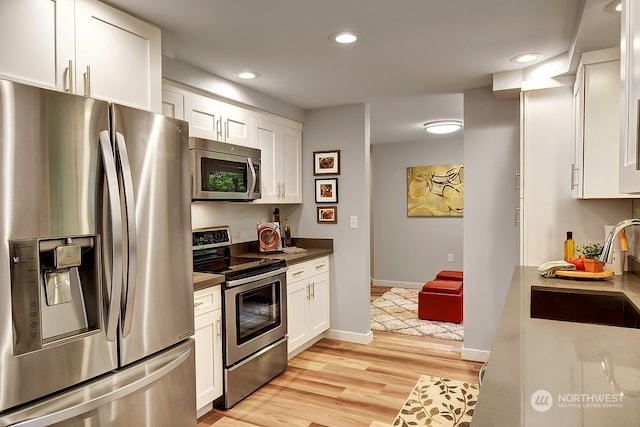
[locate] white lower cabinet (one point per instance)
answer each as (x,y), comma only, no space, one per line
(208,336)
(308,308)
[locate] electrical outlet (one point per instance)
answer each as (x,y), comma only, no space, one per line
(353,221)
(450,257)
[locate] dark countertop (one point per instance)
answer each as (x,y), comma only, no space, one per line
(530,357)
(314,248)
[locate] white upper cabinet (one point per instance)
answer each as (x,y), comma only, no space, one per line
(83,47)
(172,104)
(36,42)
(597,131)
(281,148)
(236,126)
(279,139)
(204,115)
(118,57)
(630,71)
(210,118)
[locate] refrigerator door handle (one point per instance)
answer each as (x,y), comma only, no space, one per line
(132,234)
(252,185)
(105,399)
(116,229)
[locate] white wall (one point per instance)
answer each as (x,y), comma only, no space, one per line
(548,207)
(191,76)
(345,128)
(409,251)
(491,236)
(242,218)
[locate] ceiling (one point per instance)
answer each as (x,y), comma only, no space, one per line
(412,65)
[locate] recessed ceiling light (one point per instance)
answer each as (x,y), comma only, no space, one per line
(525,58)
(443,126)
(247,75)
(614,6)
(345,37)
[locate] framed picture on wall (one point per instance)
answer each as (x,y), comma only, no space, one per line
(326,162)
(327,190)
(327,214)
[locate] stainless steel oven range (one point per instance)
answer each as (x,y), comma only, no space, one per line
(254,312)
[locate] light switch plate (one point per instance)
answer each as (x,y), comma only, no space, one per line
(353,221)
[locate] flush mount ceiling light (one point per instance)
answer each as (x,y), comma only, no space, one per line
(443,126)
(525,58)
(345,37)
(247,75)
(614,6)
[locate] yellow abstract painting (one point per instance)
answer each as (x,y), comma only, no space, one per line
(435,190)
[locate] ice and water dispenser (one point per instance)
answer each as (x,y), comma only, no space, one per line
(55,290)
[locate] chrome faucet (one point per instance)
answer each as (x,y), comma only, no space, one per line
(608,243)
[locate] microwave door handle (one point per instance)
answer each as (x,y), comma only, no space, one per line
(109,165)
(252,187)
(132,234)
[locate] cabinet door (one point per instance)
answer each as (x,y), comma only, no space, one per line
(204,116)
(265,136)
(173,104)
(118,57)
(208,336)
(237,126)
(319,308)
(291,165)
(601,134)
(36,42)
(297,303)
(578,136)
(630,69)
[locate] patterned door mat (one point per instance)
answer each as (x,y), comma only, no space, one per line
(397,311)
(437,401)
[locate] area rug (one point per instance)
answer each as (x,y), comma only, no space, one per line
(397,311)
(437,401)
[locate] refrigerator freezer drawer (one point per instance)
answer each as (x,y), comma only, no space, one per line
(156,392)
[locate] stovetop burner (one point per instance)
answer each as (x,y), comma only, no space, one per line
(212,254)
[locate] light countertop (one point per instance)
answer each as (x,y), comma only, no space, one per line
(206,280)
(562,362)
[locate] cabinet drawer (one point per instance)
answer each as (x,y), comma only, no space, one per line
(307,269)
(206,300)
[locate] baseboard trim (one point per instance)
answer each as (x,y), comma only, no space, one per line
(475,355)
(350,336)
(396,284)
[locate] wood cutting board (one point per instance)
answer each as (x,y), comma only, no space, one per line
(584,275)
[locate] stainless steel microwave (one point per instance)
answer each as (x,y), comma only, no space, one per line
(221,171)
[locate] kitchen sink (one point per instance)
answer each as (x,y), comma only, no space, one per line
(601,308)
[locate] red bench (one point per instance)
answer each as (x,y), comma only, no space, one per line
(441,299)
(449,275)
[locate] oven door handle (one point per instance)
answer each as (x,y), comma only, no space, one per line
(234,283)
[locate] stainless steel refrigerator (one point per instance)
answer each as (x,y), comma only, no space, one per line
(96,294)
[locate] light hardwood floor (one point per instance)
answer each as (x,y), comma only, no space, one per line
(336,383)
